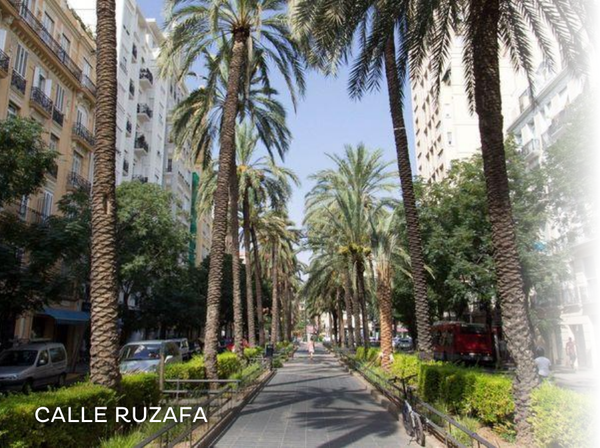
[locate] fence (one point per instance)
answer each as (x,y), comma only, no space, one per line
(444,427)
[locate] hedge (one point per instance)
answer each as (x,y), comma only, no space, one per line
(139,390)
(562,418)
(253,352)
(19,427)
(227,364)
(370,355)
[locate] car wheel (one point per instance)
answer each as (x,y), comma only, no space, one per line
(27,386)
(62,380)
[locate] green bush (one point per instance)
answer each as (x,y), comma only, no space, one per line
(190,370)
(253,352)
(19,427)
(372,354)
(228,364)
(405,366)
(490,399)
(139,390)
(561,418)
(360,354)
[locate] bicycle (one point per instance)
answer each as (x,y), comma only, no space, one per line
(410,417)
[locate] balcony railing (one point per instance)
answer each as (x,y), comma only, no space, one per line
(531,147)
(131,88)
(58,117)
(128,127)
(18,82)
(75,180)
(140,178)
(144,109)
(4,61)
(40,98)
(125,166)
(87,83)
(82,132)
(134,52)
(50,42)
(141,143)
(147,75)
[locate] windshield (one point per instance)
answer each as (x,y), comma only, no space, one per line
(473,329)
(20,358)
(140,352)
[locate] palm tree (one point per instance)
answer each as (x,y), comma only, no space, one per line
(486,26)
(247,25)
(329,29)
(104,346)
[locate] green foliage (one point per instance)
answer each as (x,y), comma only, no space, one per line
(24,158)
(139,390)
(19,427)
(405,366)
(360,354)
(562,418)
(228,364)
(190,370)
(253,352)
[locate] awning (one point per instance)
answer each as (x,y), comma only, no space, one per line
(67,317)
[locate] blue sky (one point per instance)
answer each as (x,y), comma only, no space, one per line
(326,120)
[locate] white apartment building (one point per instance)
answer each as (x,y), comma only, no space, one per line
(144,103)
(445,130)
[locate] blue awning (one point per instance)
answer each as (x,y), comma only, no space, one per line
(67,317)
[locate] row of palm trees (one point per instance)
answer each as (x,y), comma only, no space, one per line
(243,41)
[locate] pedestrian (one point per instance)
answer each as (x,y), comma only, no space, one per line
(311,347)
(571,353)
(543,364)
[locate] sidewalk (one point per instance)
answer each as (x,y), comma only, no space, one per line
(584,381)
(314,404)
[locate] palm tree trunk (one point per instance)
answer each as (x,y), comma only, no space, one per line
(238,318)
(104,344)
(258,286)
(219,230)
(249,295)
(355,311)
(415,248)
(348,303)
(275,298)
(362,299)
(384,299)
(488,105)
(342,327)
(284,308)
(290,301)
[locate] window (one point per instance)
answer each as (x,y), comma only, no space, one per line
(47,202)
(77,163)
(21,61)
(59,99)
(43,359)
(87,68)
(53,145)
(65,44)
(449,136)
(57,354)
(82,117)
(48,24)
(40,79)
(13,111)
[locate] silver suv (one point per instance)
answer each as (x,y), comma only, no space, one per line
(33,365)
(144,356)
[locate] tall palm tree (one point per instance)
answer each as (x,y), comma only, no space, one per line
(104,344)
(330,29)
(248,25)
(486,26)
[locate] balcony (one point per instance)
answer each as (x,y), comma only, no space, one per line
(131,89)
(531,148)
(18,82)
(558,126)
(58,117)
(128,127)
(53,172)
(4,62)
(88,84)
(144,113)
(39,29)
(77,182)
(146,78)
(125,167)
(40,101)
(140,178)
(141,144)
(134,52)
(82,135)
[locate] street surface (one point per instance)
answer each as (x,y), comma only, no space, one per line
(314,404)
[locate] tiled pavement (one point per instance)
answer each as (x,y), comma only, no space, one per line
(313,404)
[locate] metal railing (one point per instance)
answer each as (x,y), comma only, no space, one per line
(147,75)
(58,117)
(18,82)
(443,426)
(75,180)
(144,109)
(4,61)
(40,98)
(140,178)
(84,133)
(141,143)
(87,83)
(50,42)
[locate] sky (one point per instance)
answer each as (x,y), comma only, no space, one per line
(326,120)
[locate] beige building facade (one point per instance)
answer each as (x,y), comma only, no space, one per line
(47,72)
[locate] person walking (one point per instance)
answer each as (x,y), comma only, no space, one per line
(542,363)
(311,347)
(571,353)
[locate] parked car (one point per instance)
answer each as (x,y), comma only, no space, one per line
(144,356)
(184,348)
(403,343)
(32,366)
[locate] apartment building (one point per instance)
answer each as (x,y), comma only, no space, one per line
(47,61)
(445,129)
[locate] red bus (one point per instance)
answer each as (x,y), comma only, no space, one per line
(462,342)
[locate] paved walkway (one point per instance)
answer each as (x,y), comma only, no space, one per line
(313,404)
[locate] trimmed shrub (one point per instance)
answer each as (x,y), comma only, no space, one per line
(139,390)
(360,354)
(190,370)
(561,418)
(491,399)
(253,352)
(19,427)
(372,354)
(405,366)
(227,364)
